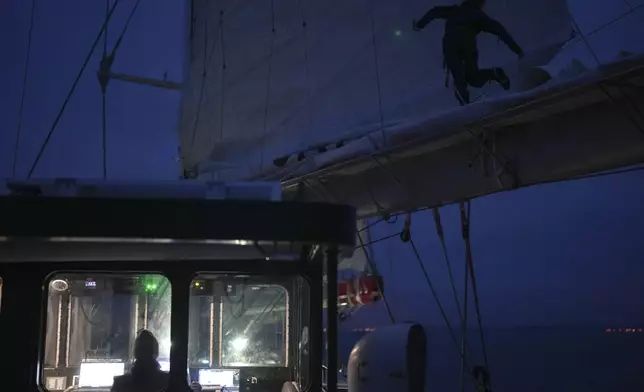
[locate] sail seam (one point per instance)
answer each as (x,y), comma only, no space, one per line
(306,68)
(377,69)
(207,58)
(268,85)
(104,95)
(222,101)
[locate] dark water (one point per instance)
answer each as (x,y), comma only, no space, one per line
(539,359)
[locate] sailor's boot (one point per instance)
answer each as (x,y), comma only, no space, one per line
(462,95)
(502,78)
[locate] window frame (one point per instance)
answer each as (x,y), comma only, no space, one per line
(284,283)
(30,358)
(50,277)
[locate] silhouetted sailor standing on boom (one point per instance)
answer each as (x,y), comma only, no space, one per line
(460,53)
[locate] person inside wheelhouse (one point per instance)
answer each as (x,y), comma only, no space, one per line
(146,374)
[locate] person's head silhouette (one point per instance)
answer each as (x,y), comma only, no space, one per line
(480,4)
(146,346)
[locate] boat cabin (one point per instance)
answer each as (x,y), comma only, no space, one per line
(227,278)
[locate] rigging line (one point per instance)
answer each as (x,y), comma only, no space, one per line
(378,240)
(465,226)
(382,128)
(222,101)
(555,181)
(268,84)
(610,22)
(306,65)
(390,173)
(602,174)
(317,192)
(25,78)
(269,307)
(104,132)
(441,237)
(214,42)
(506,167)
(71,90)
(377,68)
(204,71)
(437,300)
(632,9)
(202,86)
(367,227)
(372,267)
(127,25)
(104,98)
(604,90)
(107,12)
(464,321)
(371,195)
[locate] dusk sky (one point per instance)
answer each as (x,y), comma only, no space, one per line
(562,253)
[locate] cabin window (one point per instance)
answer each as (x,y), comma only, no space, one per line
(92,321)
(235,322)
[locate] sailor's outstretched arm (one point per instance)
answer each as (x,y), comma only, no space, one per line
(494,27)
(439,12)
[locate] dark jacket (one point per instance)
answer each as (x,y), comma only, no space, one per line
(142,379)
(464,22)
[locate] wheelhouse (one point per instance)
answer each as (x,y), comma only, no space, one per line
(228,279)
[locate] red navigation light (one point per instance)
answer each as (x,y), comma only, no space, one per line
(362,290)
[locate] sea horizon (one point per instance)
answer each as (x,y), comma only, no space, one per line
(535,358)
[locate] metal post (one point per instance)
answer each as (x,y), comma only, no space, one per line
(312,363)
(211,331)
(179,319)
(332,319)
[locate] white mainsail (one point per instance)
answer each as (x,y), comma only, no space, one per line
(323,86)
(335,86)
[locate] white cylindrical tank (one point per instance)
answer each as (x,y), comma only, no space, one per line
(389,359)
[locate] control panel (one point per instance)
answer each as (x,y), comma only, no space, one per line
(247,379)
(263,379)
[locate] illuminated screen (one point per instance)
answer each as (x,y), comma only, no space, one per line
(164,365)
(219,377)
(99,374)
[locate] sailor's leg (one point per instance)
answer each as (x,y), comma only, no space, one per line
(454,63)
(479,77)
(501,78)
(460,91)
